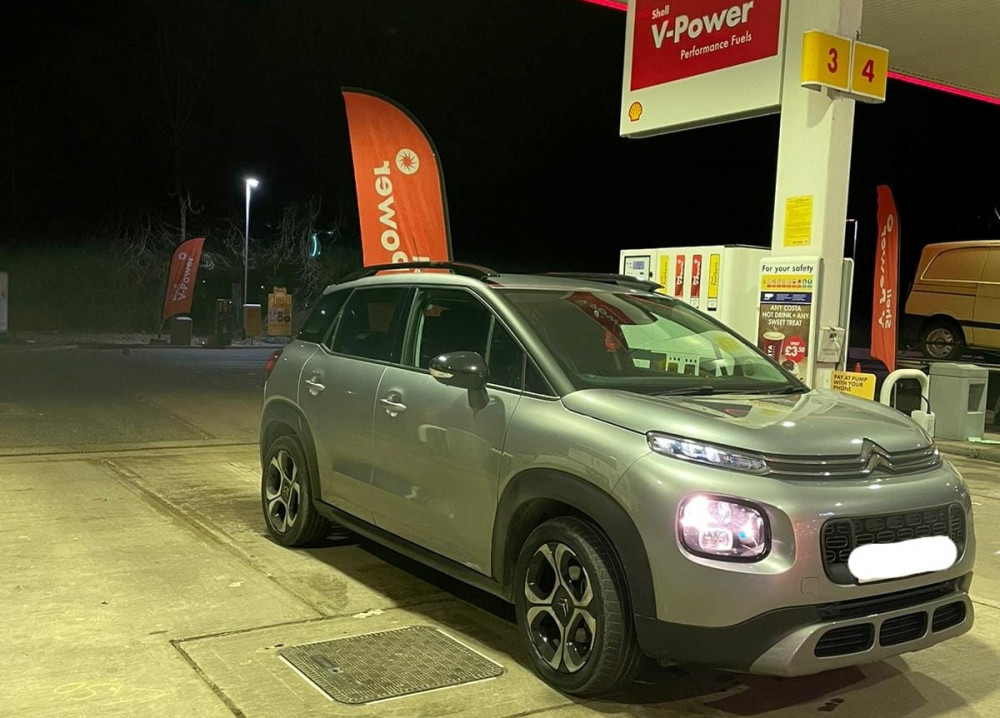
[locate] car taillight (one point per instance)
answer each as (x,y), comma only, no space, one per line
(271,362)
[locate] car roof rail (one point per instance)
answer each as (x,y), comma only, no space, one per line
(621,280)
(463,269)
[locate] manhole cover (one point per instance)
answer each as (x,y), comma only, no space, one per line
(388,664)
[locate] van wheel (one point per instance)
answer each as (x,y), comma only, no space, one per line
(573,610)
(286,495)
(942,339)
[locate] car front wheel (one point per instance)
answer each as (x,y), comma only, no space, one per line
(573,611)
(286,495)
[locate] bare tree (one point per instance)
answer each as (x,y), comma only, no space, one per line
(142,245)
(292,247)
(177,65)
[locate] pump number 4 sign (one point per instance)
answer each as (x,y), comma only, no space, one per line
(869,69)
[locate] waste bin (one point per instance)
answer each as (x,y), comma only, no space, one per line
(180,331)
(958,400)
(222,335)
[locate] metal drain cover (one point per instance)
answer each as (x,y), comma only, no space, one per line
(387,664)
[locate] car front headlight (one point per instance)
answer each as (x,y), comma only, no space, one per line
(718,456)
(723,528)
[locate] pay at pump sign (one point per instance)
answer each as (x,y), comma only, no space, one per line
(854,383)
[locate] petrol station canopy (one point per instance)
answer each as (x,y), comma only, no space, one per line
(952,46)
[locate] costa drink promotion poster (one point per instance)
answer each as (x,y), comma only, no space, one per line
(181,280)
(400,187)
(785,329)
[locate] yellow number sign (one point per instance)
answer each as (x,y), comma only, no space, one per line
(869,70)
(826,61)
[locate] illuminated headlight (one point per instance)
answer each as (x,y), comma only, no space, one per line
(706,454)
(723,528)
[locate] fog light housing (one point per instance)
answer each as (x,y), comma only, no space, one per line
(723,528)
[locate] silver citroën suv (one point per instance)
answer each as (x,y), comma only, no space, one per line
(634,477)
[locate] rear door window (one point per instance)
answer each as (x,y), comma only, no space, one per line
(371,323)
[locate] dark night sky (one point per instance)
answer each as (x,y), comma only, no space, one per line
(521,99)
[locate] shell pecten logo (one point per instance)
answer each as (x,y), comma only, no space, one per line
(407,161)
(635,111)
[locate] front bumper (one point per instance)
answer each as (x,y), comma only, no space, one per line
(802,640)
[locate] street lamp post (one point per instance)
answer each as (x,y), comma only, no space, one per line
(252,184)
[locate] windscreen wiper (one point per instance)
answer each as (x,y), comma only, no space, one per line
(775,392)
(688,391)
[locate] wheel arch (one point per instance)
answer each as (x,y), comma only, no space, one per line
(536,495)
(942,319)
(282,418)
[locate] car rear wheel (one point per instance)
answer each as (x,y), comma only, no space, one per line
(286,495)
(942,339)
(573,611)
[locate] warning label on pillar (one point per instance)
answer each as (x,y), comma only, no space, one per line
(798,221)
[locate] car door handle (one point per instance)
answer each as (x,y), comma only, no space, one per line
(314,386)
(392,408)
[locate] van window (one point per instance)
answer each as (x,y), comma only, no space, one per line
(957,265)
(992,272)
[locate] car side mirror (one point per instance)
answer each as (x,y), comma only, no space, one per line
(465,370)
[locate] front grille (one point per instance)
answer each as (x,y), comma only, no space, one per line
(848,639)
(948,616)
(841,536)
(865,463)
(903,629)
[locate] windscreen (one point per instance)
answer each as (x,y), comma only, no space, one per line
(645,343)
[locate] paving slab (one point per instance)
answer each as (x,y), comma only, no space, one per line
(97,582)
(218,490)
(245,667)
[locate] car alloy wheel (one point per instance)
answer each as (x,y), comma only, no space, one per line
(559,594)
(572,606)
(282,491)
(286,495)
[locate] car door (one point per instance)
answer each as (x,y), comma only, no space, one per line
(337,392)
(436,456)
(987,312)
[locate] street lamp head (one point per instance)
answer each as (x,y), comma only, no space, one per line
(252,183)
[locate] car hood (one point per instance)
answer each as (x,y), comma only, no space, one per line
(820,422)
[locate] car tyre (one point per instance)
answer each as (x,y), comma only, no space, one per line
(286,495)
(942,339)
(573,610)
